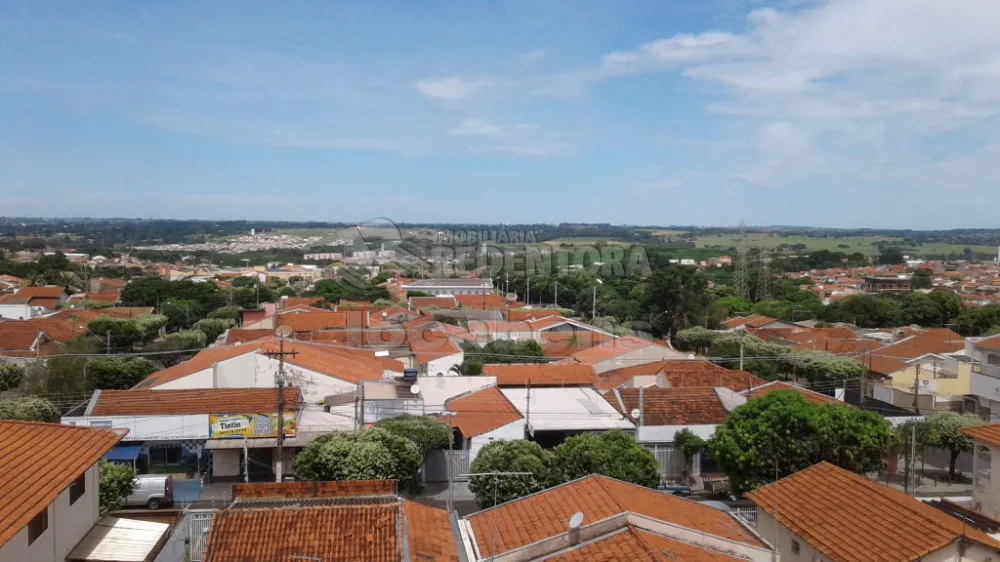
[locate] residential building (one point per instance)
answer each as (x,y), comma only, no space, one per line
(449,286)
(623,352)
(482,416)
(599,518)
(319,370)
(349,520)
(536,375)
(985,379)
(754,322)
(28,302)
(220,428)
(828,514)
(878,284)
(48,488)
(553,413)
(985,455)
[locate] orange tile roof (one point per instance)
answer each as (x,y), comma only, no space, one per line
(312,321)
(990,343)
(610,350)
(808,395)
(20,341)
(344,363)
(435,302)
(429,532)
(297,301)
(636,545)
(325,489)
(539,516)
(192,401)
(486,302)
(682,374)
(56,330)
(103,296)
(40,292)
(673,406)
(85,316)
(849,518)
(38,461)
(565,344)
(984,433)
(244,335)
(893,358)
(352,533)
(751,321)
(540,374)
(480,412)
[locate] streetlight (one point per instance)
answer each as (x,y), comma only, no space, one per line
(593,310)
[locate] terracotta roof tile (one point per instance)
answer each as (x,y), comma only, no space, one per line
(541,374)
(673,406)
(849,518)
(808,395)
(635,545)
(565,344)
(85,316)
(244,335)
(326,489)
(429,532)
(984,433)
(486,302)
(192,401)
(990,343)
(682,374)
(365,533)
(38,461)
(19,340)
(752,321)
(419,303)
(610,350)
(480,412)
(533,518)
(312,321)
(893,358)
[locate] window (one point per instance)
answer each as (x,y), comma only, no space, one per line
(77,489)
(38,525)
(796,548)
(165,455)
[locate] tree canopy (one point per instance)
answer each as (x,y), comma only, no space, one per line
(117,373)
(771,437)
(613,454)
(117,481)
(427,433)
(11,375)
(373,454)
(942,430)
(29,408)
(509,456)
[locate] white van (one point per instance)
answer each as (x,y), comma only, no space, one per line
(153,491)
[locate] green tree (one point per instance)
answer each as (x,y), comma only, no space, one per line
(213,327)
(29,408)
(373,454)
(117,481)
(820,366)
(921,309)
(146,291)
(689,445)
(428,434)
(910,436)
(943,431)
(735,305)
(11,375)
(61,374)
(230,312)
(330,290)
(949,303)
(191,340)
(781,433)
(696,339)
(675,299)
(505,351)
(891,256)
(509,456)
(613,454)
(117,373)
(922,279)
(181,313)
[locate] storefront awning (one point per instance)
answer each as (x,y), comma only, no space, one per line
(124,453)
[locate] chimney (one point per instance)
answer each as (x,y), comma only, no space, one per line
(284,302)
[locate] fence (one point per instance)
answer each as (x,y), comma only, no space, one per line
(670,460)
(746,514)
(198,522)
(440,465)
(458,464)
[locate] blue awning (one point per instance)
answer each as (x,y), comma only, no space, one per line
(125,453)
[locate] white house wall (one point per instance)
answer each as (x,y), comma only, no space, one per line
(442,366)
(68,524)
(666,433)
(513,431)
(235,372)
(151,428)
(200,379)
(647,354)
(16,311)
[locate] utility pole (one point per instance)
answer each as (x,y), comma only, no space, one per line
(280,386)
(555,299)
(916,390)
(527,291)
(109,342)
(742,331)
(911,477)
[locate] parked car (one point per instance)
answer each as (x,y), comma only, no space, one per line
(153,491)
(675,490)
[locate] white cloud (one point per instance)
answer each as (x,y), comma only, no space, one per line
(536,54)
(487,128)
(849,90)
(452,88)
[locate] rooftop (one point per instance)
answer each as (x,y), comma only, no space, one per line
(480,411)
(545,514)
(190,401)
(674,406)
(852,519)
(38,461)
(540,374)
(568,408)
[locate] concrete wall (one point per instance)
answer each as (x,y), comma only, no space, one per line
(442,366)
(16,311)
(646,354)
(151,428)
(985,488)
(201,379)
(510,432)
(67,526)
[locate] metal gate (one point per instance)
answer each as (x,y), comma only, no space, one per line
(198,523)
(458,464)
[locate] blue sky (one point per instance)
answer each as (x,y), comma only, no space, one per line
(877,113)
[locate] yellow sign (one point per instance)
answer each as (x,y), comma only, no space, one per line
(250,426)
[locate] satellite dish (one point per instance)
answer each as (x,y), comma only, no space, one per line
(284,331)
(576,520)
(415,389)
(635,413)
